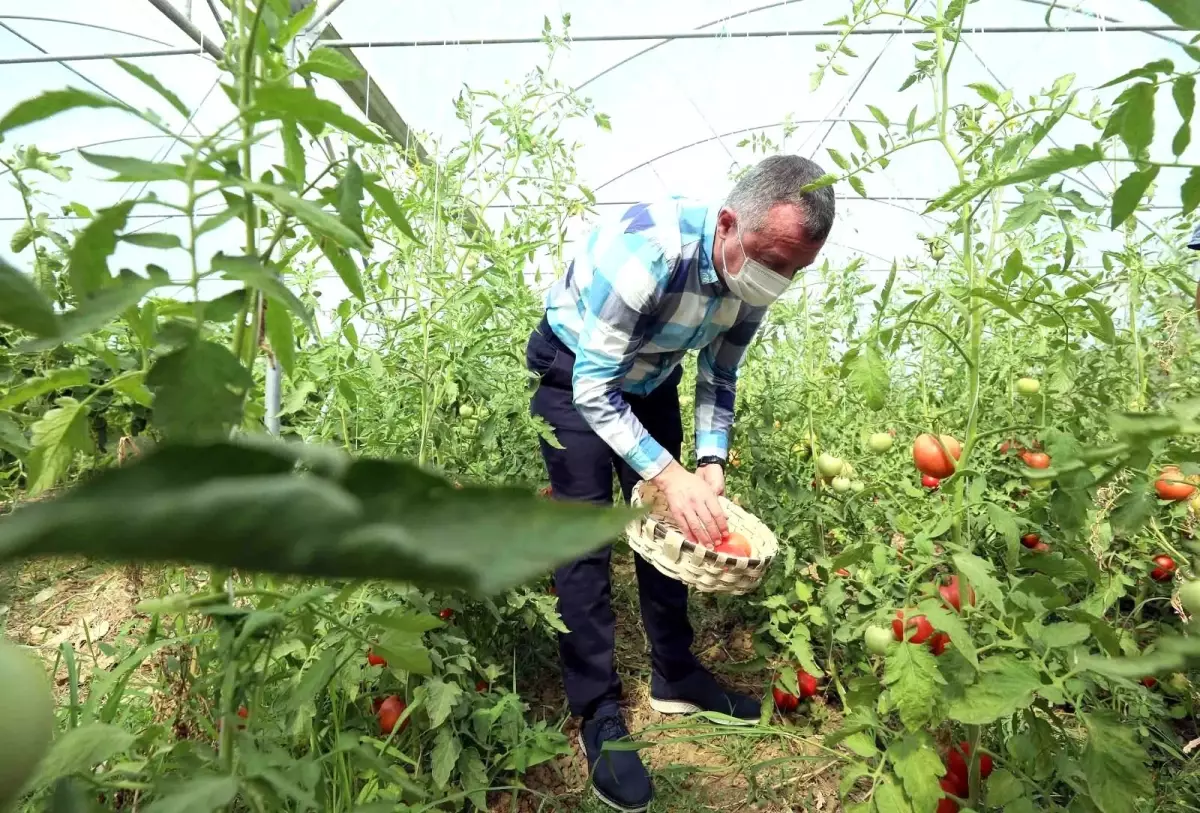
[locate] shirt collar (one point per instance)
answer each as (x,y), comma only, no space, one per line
(708,236)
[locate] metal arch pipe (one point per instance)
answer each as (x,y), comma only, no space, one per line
(82,24)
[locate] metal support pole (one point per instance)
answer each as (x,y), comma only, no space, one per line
(185,25)
(273,396)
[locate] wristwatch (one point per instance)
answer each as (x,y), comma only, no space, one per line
(711,460)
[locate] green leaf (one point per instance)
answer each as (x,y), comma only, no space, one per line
(1184,94)
(916,762)
(349,199)
(879,116)
(838,158)
(313,216)
(978,572)
(53,102)
(869,375)
(889,798)
(304,105)
(279,333)
(251,271)
(1058,160)
(1004,523)
(441,698)
(331,63)
(1131,512)
(153,239)
(856,183)
(345,267)
(986,92)
(57,436)
(313,679)
(87,266)
(1114,763)
(406,653)
(1130,193)
(1004,687)
(293,151)
(239,506)
(136,170)
(199,390)
(387,202)
(12,437)
(79,750)
(134,386)
(1105,331)
(1150,70)
(40,385)
(1137,119)
(1189,193)
(199,794)
(1184,13)
(22,305)
(860,138)
(99,309)
(295,24)
(914,684)
(1064,635)
(297,399)
(151,81)
(446,749)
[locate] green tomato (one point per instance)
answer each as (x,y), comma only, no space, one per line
(801,451)
(1028,386)
(937,253)
(857,485)
(880,442)
(841,484)
(466,411)
(878,640)
(1189,597)
(26,719)
(828,465)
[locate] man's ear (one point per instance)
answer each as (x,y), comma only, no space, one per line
(725,223)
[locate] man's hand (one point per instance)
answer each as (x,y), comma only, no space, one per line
(715,477)
(693,504)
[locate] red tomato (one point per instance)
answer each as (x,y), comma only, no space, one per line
(930,482)
(243,712)
(950,594)
(808,683)
(950,784)
(1036,460)
(1041,547)
(1031,540)
(923,628)
(446,614)
(481,686)
(375,660)
(938,643)
(389,713)
(553,590)
(1170,485)
(785,701)
(1164,569)
(735,545)
(929,457)
(1149,681)
(841,571)
(956,765)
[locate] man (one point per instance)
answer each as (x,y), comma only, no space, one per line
(663,279)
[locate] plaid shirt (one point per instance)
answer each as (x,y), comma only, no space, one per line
(640,293)
(1195,243)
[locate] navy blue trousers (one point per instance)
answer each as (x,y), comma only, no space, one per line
(583,471)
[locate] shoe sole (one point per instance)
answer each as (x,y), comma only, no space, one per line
(600,795)
(684,707)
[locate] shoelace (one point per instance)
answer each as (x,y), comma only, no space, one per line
(612,727)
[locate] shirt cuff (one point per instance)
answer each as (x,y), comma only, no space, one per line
(712,444)
(648,469)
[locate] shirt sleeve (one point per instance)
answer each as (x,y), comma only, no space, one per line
(716,384)
(628,282)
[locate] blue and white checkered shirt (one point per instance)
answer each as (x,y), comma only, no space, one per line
(641,292)
(1195,242)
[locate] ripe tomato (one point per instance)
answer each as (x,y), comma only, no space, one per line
(841,571)
(1149,681)
(481,686)
(808,683)
(375,660)
(956,765)
(923,629)
(389,713)
(929,457)
(446,614)
(1171,486)
(950,785)
(938,643)
(26,719)
(950,594)
(1036,460)
(1031,540)
(785,701)
(1041,547)
(929,481)
(1164,569)
(243,712)
(735,545)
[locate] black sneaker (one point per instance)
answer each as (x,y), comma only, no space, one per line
(699,691)
(619,779)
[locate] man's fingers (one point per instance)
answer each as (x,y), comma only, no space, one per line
(712,535)
(719,519)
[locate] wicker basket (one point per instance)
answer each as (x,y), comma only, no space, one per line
(661,543)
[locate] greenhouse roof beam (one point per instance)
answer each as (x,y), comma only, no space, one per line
(656,35)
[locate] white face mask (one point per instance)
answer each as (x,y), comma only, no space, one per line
(755,284)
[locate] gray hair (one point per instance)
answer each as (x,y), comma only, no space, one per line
(780,179)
